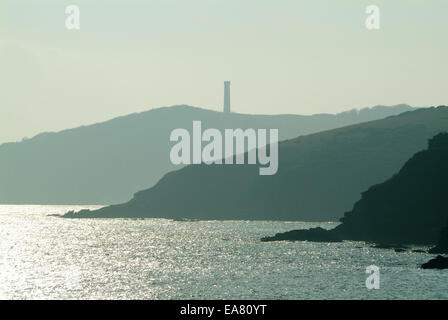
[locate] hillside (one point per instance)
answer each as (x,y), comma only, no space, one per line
(108,162)
(409,208)
(319,178)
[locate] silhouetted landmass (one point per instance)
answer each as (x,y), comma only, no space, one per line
(442,244)
(320,176)
(438,262)
(108,162)
(409,208)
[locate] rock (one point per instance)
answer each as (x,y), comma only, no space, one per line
(437,263)
(315,234)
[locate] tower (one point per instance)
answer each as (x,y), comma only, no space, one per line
(227,96)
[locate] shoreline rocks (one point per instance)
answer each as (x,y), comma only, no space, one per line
(407,209)
(438,262)
(315,234)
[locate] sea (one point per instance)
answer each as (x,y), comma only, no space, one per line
(47,257)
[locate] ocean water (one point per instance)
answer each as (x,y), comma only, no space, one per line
(46,257)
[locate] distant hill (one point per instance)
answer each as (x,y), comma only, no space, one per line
(409,208)
(319,178)
(108,162)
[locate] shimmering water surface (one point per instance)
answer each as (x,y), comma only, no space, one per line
(45,257)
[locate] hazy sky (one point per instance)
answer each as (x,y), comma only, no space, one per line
(282,56)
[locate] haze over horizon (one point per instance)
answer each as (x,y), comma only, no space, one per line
(294,57)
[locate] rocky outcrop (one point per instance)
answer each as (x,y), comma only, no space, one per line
(438,262)
(409,208)
(315,234)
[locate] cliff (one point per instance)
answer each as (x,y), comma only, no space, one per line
(409,208)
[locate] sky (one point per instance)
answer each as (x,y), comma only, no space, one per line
(282,56)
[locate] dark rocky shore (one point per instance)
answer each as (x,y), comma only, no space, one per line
(437,263)
(409,208)
(315,234)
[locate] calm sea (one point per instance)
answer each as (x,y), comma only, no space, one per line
(45,257)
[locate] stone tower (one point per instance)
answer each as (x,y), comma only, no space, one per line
(227,96)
